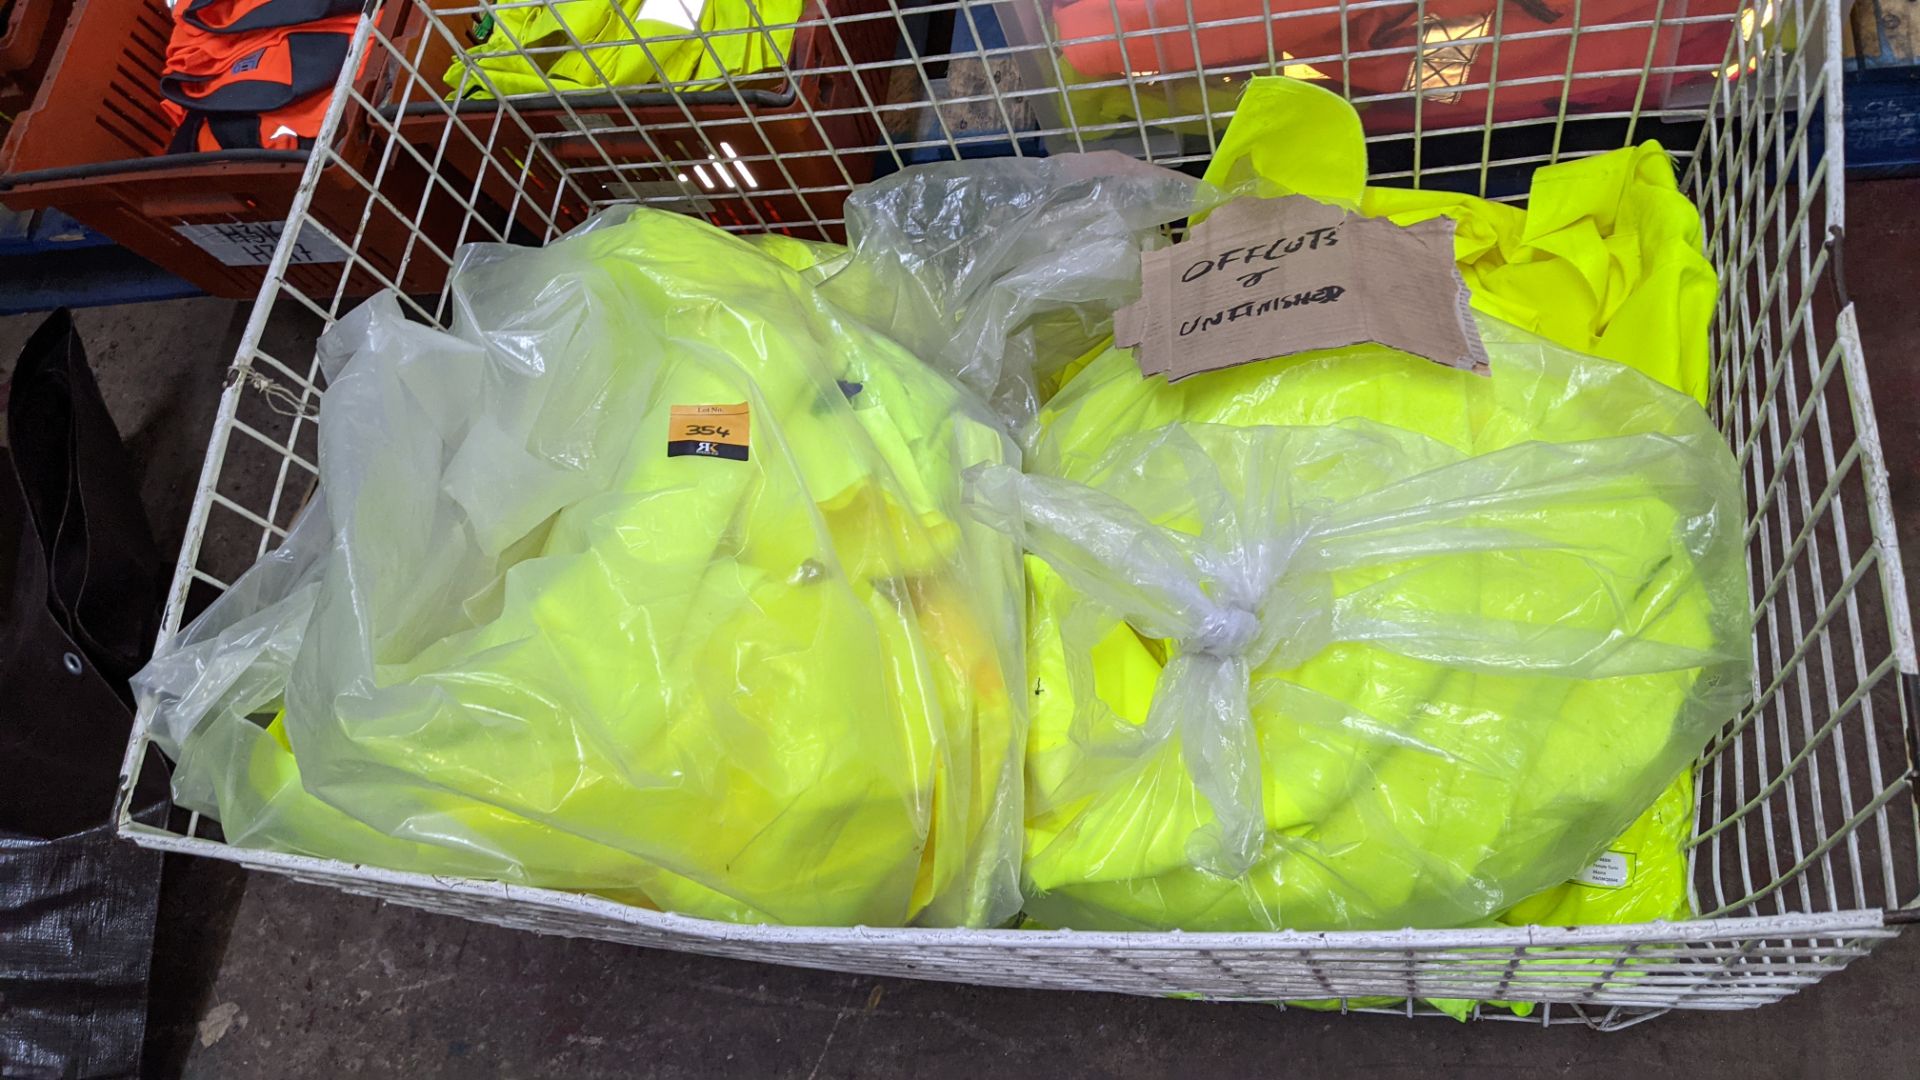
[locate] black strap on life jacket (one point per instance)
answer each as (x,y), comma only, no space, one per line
(230,131)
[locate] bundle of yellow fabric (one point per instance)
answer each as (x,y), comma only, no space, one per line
(1404,776)
(1605,259)
(601,44)
(651,582)
(1504,611)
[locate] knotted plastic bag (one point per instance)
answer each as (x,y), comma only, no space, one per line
(1351,640)
(649,580)
(1002,272)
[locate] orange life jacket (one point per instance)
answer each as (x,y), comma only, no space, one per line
(238,77)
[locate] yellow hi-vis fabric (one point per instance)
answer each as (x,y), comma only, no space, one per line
(543,631)
(1641,877)
(1605,259)
(1412,772)
(598,44)
(1645,880)
(1399,790)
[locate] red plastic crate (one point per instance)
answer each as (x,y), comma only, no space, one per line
(93,142)
(28,33)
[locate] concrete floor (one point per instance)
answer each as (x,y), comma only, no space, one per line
(258,976)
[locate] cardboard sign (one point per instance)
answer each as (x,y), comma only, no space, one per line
(1273,277)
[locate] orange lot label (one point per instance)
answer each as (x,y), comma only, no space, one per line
(708,431)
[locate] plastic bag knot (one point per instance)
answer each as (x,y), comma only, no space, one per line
(1224,632)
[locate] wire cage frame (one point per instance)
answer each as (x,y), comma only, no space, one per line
(1806,847)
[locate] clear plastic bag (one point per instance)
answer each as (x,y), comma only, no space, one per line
(999,272)
(1351,640)
(1003,271)
(650,580)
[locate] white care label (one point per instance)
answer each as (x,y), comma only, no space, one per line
(251,243)
(1610,871)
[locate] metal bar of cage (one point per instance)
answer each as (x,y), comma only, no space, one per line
(1806,851)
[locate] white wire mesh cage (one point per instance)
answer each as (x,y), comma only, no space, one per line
(1804,854)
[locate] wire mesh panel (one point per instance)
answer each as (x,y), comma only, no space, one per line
(1804,794)
(526,116)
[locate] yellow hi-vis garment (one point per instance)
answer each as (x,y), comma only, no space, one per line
(651,583)
(597,44)
(1398,784)
(1605,258)
(1533,623)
